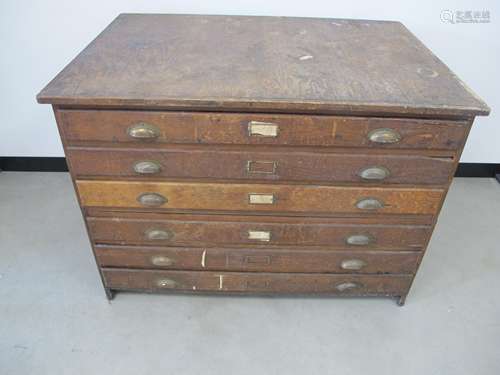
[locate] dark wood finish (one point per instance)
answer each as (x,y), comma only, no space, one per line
(232,128)
(189,281)
(226,231)
(257,132)
(253,164)
(259,63)
(256,259)
(130,213)
(235,197)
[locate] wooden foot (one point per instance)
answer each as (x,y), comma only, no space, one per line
(401,300)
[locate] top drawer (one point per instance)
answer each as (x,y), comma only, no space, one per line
(259,129)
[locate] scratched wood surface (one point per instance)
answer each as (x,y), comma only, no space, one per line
(245,165)
(232,128)
(261,63)
(222,230)
(255,260)
(148,280)
(327,200)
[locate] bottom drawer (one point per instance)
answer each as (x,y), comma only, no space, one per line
(222,282)
(257,260)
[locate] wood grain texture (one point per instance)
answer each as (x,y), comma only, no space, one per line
(224,282)
(130,213)
(235,197)
(237,62)
(255,259)
(232,128)
(210,231)
(203,163)
(268,210)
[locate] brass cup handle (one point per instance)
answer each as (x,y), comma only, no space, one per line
(158,234)
(143,131)
(359,239)
(347,286)
(151,199)
(166,283)
(369,204)
(147,167)
(384,136)
(352,264)
(161,261)
(374,173)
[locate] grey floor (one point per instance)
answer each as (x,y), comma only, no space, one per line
(55,319)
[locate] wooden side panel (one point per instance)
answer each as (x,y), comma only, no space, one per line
(259,197)
(221,282)
(245,164)
(233,128)
(257,260)
(215,232)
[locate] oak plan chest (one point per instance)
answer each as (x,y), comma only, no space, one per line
(229,154)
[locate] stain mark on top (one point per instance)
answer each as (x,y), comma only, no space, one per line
(306,57)
(426,72)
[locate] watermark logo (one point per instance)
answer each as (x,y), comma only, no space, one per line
(465,16)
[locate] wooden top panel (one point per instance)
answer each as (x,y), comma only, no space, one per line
(261,64)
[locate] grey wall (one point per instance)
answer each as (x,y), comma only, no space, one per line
(38,38)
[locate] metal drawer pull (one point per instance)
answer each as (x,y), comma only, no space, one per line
(359,240)
(147,167)
(259,235)
(166,283)
(143,131)
(352,264)
(347,286)
(369,204)
(374,173)
(262,129)
(158,234)
(162,261)
(384,135)
(261,198)
(151,199)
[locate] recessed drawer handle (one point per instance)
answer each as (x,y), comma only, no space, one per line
(384,135)
(259,235)
(151,199)
(254,198)
(263,129)
(374,173)
(359,239)
(369,204)
(343,287)
(158,234)
(161,261)
(352,264)
(147,167)
(166,283)
(143,131)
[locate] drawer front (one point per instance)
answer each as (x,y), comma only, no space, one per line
(251,282)
(259,129)
(255,231)
(258,197)
(248,165)
(257,260)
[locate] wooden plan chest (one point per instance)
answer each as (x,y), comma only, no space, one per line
(230,154)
